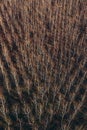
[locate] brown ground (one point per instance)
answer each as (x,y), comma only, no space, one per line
(43,65)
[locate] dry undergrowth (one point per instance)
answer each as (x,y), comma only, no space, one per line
(43,65)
